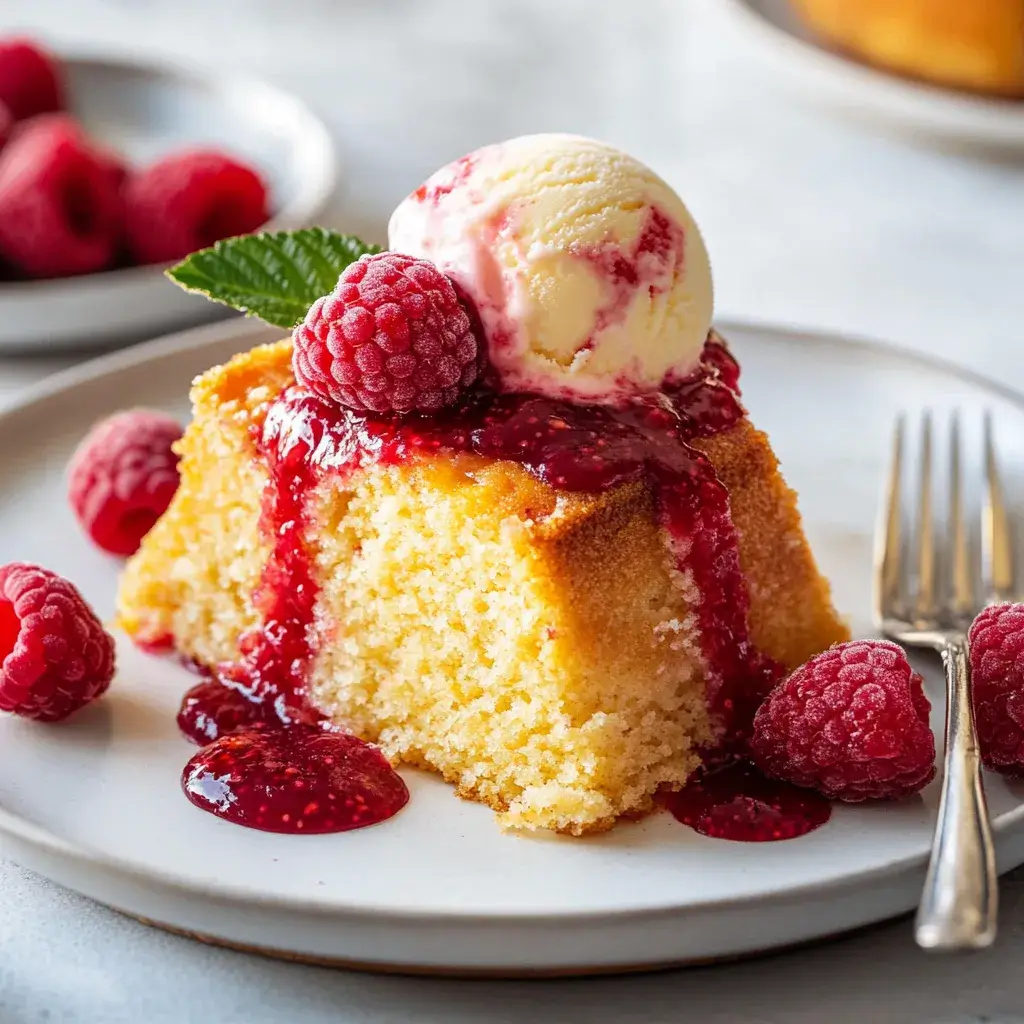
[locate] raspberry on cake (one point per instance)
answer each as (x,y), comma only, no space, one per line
(557,598)
(391,336)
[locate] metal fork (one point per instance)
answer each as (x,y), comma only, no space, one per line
(959,902)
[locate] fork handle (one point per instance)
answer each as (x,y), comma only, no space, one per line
(959,902)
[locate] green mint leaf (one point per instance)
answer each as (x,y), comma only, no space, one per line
(276,276)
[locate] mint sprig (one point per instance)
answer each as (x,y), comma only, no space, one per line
(276,276)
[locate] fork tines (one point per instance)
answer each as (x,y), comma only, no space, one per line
(997,566)
(913,588)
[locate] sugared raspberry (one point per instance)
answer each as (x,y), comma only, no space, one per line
(29,79)
(393,335)
(60,207)
(122,477)
(996,641)
(852,723)
(188,201)
(55,655)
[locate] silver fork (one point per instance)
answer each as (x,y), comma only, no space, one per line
(959,902)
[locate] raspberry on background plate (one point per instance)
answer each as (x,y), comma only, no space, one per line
(851,723)
(188,201)
(30,79)
(55,655)
(61,211)
(6,124)
(123,476)
(996,645)
(392,336)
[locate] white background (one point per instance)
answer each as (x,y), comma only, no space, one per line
(810,219)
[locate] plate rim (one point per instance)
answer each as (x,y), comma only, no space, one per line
(20,829)
(308,203)
(994,120)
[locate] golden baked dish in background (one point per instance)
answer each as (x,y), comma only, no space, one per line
(975,45)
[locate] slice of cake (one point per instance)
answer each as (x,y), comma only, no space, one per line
(541,648)
(553,582)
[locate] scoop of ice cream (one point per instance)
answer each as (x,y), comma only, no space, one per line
(589,274)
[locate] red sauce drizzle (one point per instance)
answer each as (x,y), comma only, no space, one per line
(272,761)
(737,802)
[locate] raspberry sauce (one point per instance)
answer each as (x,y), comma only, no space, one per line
(737,802)
(300,779)
(273,763)
(211,710)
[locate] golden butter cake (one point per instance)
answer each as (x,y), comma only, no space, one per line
(556,607)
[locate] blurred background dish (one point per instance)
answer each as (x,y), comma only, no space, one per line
(878,56)
(144,110)
(976,47)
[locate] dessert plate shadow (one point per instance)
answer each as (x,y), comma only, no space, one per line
(773,31)
(95,803)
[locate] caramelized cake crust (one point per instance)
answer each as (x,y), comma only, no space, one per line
(537,647)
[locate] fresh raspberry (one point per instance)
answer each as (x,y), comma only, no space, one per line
(56,655)
(996,644)
(393,335)
(114,165)
(30,80)
(852,723)
(122,478)
(6,124)
(188,201)
(60,208)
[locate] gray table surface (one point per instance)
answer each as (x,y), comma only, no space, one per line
(811,220)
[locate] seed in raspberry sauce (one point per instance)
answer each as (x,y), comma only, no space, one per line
(393,336)
(55,655)
(122,477)
(852,723)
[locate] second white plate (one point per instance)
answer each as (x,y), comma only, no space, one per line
(95,803)
(145,110)
(773,31)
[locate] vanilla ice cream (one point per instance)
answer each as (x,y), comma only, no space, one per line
(589,274)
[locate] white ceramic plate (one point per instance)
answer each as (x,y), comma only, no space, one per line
(145,110)
(772,29)
(94,803)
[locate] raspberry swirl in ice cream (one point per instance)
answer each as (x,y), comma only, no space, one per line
(589,275)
